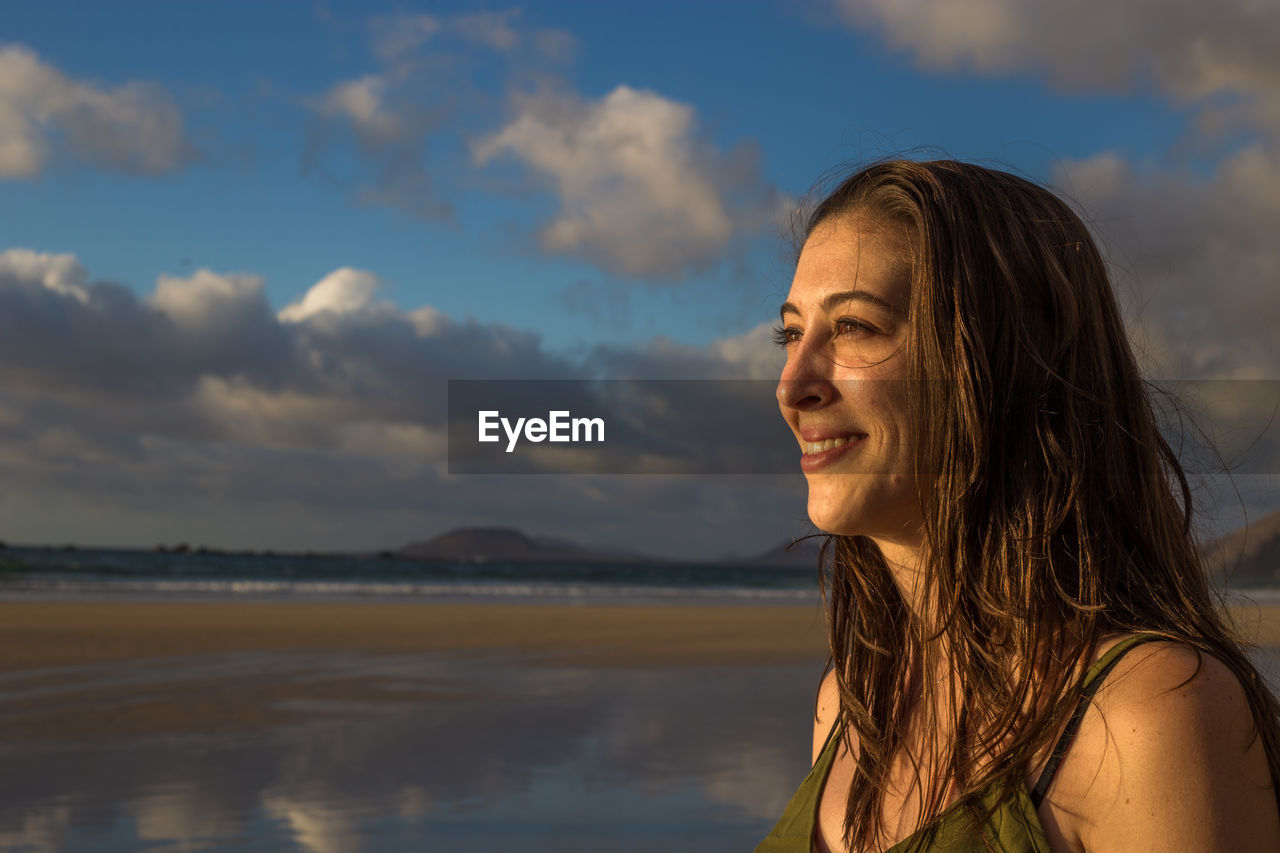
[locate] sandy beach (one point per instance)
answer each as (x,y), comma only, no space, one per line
(58,634)
(39,635)
(64,648)
(379,726)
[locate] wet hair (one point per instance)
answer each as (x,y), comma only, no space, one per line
(1055,513)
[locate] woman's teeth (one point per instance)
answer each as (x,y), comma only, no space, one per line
(812,447)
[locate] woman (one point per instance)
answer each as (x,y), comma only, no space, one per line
(1025,654)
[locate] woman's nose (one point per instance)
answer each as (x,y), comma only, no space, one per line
(805,383)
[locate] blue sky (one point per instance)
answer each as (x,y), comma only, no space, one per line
(576,179)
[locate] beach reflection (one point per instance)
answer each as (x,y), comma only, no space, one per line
(409,752)
(351,752)
(188,813)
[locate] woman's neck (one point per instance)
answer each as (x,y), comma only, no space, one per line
(905,559)
(907,564)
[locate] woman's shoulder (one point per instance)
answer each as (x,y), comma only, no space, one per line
(1152,663)
(826,711)
(1168,750)
(1160,688)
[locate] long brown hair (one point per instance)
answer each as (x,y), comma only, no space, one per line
(1055,513)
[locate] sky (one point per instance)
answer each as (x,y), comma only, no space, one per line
(245,246)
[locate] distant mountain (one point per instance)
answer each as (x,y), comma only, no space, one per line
(482,544)
(801,555)
(508,544)
(1251,555)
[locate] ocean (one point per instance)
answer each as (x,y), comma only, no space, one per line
(107,574)
(93,574)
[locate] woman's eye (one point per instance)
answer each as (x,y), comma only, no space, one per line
(785,335)
(850,326)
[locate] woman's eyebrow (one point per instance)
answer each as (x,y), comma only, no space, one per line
(833,299)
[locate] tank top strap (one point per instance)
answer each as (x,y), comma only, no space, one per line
(1092,681)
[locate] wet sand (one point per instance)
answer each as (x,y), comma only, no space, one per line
(94,669)
(380,726)
(56,634)
(39,634)
(88,670)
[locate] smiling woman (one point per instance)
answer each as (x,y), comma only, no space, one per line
(1007,526)
(845,373)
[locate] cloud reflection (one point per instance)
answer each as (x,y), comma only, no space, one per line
(473,749)
(38,831)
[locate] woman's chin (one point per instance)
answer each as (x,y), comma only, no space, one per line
(834,522)
(902,527)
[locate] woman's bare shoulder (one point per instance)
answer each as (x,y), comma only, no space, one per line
(1168,757)
(828,708)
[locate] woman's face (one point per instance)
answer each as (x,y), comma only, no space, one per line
(843,389)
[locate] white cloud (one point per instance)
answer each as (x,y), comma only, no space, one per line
(492,29)
(753,354)
(206,299)
(362,103)
(395,441)
(391,116)
(1195,256)
(277,418)
(1192,52)
(641,192)
(211,341)
(1195,260)
(134,127)
(342,291)
(421,92)
(555,44)
(427,321)
(59,273)
(197,409)
(397,36)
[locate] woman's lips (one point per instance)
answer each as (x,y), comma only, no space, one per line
(814,461)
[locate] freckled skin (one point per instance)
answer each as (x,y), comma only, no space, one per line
(848,376)
(1165,760)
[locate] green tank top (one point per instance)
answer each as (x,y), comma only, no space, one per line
(1014,826)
